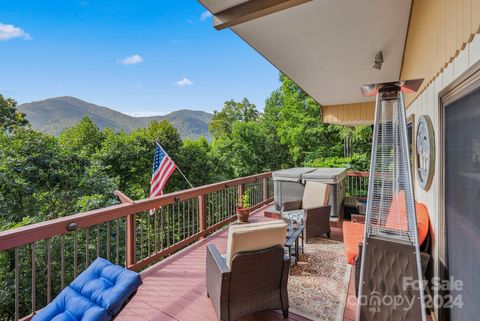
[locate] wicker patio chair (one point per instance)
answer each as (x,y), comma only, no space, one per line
(253,275)
(313,210)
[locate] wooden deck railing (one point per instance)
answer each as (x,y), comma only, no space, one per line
(356,184)
(42,258)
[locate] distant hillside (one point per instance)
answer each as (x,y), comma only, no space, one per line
(189,123)
(54,115)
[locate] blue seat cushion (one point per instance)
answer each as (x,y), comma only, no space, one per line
(70,305)
(106,284)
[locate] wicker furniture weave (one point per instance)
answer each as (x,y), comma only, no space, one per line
(257,281)
(249,279)
(316,211)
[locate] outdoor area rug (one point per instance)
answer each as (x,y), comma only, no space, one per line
(318,284)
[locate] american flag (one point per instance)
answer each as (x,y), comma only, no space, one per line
(163,168)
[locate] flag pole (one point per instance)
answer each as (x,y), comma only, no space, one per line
(176,166)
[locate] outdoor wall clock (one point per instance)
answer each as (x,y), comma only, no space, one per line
(425,152)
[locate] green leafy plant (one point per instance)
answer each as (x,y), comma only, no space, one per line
(246,199)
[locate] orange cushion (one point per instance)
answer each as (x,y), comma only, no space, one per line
(423,222)
(399,221)
(352,236)
(353,232)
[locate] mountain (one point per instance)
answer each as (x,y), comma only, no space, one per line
(54,115)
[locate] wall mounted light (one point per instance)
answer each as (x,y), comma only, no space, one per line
(378,60)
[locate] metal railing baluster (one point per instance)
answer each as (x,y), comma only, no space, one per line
(155,232)
(62,261)
(148,234)
(162,225)
(17,284)
(87,241)
(34,277)
(117,241)
(49,270)
(108,241)
(75,254)
(141,236)
(98,240)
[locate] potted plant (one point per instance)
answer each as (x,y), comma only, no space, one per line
(243,209)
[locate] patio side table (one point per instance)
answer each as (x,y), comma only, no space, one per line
(294,233)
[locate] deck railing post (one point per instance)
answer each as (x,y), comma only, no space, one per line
(131,240)
(240,190)
(131,237)
(202,213)
(265,189)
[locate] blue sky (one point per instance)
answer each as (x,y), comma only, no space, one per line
(138,57)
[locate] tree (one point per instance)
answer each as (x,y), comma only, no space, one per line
(84,138)
(231,112)
(9,116)
(297,119)
(166,135)
(197,163)
(40,179)
(246,150)
(128,157)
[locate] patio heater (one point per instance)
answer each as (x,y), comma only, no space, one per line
(391,281)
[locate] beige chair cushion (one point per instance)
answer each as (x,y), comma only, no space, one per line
(254,236)
(315,194)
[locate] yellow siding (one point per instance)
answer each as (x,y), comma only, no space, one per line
(438,30)
(349,114)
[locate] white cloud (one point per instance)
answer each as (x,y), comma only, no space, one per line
(8,32)
(184,82)
(132,60)
(146,113)
(205,15)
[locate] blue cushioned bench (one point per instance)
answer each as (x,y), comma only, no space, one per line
(97,294)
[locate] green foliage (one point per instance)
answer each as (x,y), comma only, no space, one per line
(85,138)
(232,111)
(10,118)
(246,199)
(297,121)
(40,179)
(246,150)
(196,157)
(358,162)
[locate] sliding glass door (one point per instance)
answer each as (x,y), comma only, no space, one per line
(462,206)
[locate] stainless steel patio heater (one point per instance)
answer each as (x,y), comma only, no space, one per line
(391,281)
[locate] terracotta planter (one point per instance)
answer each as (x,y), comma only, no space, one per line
(243,214)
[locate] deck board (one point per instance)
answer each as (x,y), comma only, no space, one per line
(174,289)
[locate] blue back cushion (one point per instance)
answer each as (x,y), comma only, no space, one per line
(97,294)
(70,305)
(106,284)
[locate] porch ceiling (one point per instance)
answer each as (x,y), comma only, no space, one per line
(328,47)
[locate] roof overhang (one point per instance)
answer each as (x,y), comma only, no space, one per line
(327,47)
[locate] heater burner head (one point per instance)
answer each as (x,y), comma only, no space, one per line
(406,86)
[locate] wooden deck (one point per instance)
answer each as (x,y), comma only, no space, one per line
(174,289)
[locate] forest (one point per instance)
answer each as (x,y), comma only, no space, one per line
(43,177)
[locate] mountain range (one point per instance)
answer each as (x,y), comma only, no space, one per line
(54,115)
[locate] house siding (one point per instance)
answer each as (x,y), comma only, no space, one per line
(428,103)
(438,32)
(349,114)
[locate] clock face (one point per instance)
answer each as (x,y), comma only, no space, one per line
(425,152)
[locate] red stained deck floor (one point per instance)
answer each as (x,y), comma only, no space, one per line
(174,289)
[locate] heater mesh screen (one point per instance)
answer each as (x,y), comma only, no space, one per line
(391,205)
